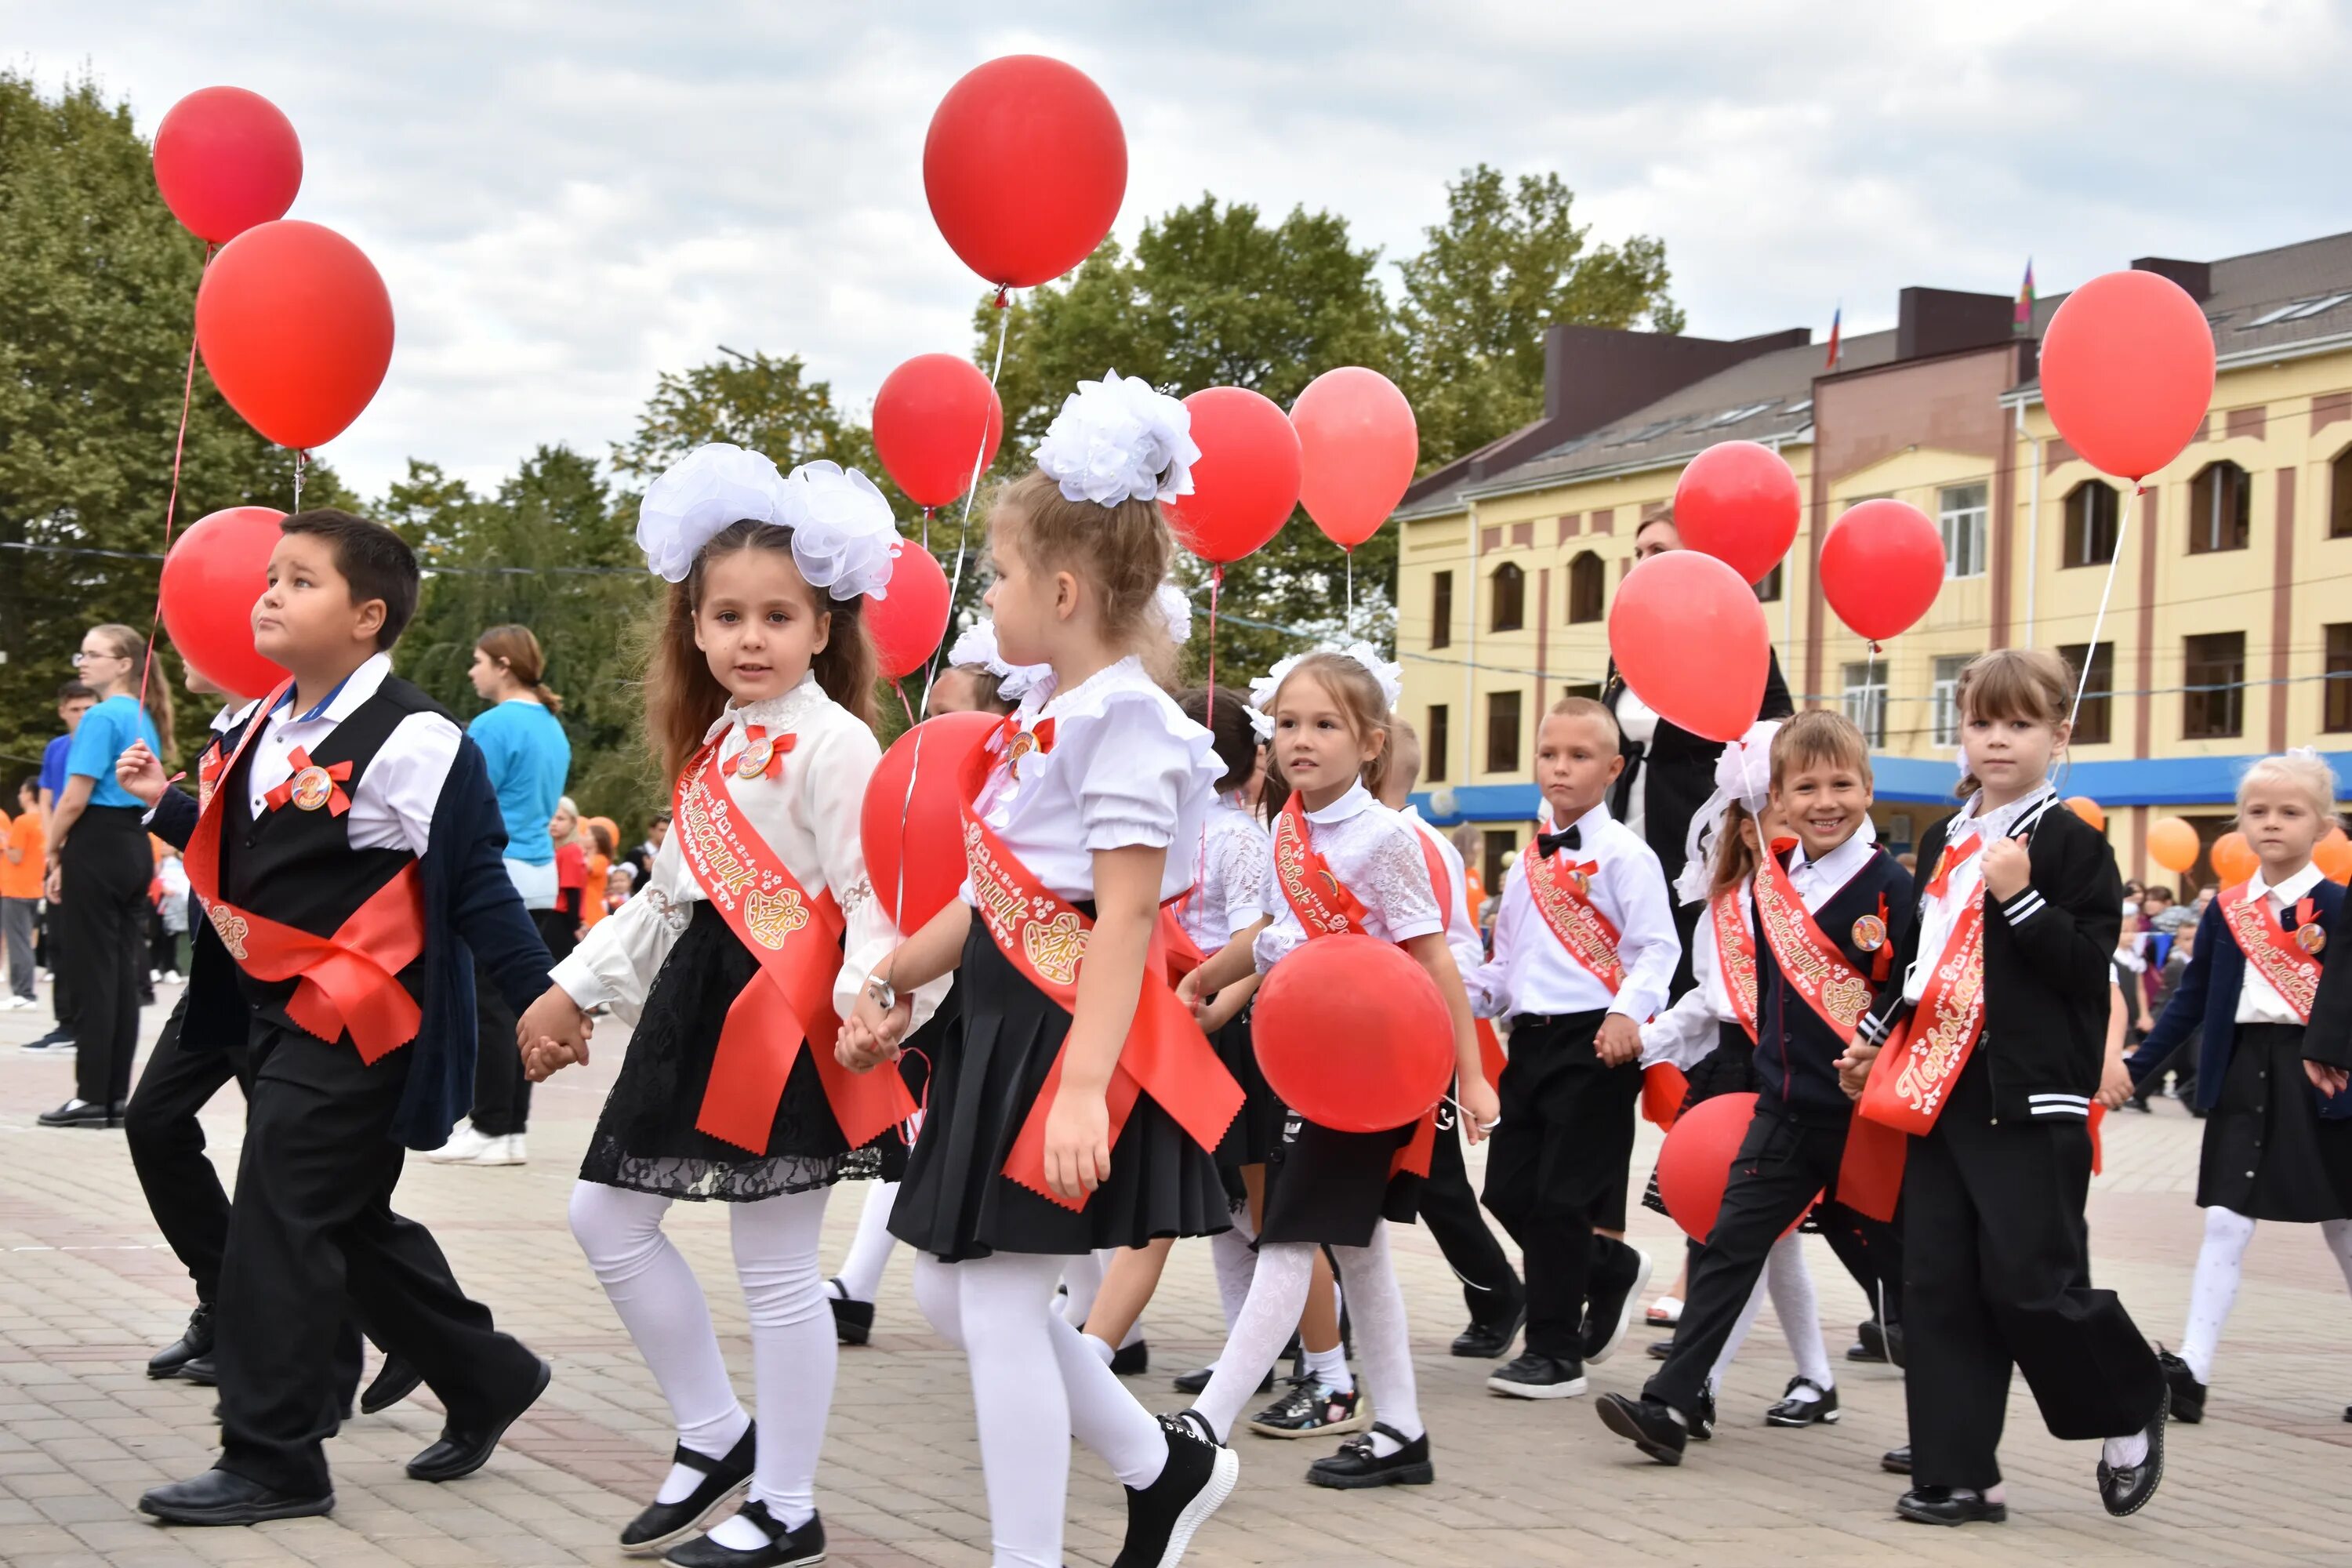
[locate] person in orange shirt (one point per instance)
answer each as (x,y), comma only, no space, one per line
(603,837)
(22,853)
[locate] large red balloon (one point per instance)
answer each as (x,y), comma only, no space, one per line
(1353,1035)
(1738,502)
(2127,371)
(912,821)
(1359,445)
(1025,165)
(1882,567)
(935,415)
(1689,638)
(908,624)
(1694,1164)
(226,158)
(216,569)
(1246,481)
(296,328)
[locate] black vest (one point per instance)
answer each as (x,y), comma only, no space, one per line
(1796,1049)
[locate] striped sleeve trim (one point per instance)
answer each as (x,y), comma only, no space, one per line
(2023,907)
(2077,1105)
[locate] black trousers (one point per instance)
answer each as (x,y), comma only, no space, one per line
(102,929)
(501,1092)
(1996,1273)
(1450,1209)
(313,1223)
(1872,1251)
(1556,1166)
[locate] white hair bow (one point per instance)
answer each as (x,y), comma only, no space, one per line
(977,647)
(1742,774)
(842,526)
(1120,440)
(1390,675)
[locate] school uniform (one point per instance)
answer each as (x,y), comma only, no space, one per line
(1235,857)
(1557,1166)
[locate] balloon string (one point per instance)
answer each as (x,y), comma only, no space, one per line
(927,529)
(900,688)
(1209,710)
(299,456)
(2098,622)
(1349,554)
(172,503)
(964,527)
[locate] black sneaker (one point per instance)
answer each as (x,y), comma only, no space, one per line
(2125,1489)
(1534,1377)
(724,1481)
(1608,1302)
(2188,1393)
(1794,1412)
(1195,1382)
(1132,1361)
(1950,1505)
(1491,1341)
(1356,1466)
(853,1321)
(1649,1424)
(1313,1409)
(785,1548)
(194,1341)
(1702,1425)
(1198,1477)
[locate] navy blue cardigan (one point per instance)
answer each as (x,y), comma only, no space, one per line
(471,910)
(2208,994)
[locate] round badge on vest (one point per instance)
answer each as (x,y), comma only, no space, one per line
(2310,937)
(1870,934)
(312,788)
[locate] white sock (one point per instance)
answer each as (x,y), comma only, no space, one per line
(1235,1257)
(1383,1338)
(2124,1452)
(661,1304)
(793,1353)
(1269,1316)
(2214,1289)
(1737,1337)
(1797,1306)
(861,1268)
(1084,1276)
(1329,1368)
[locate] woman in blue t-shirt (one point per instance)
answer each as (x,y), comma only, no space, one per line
(528,760)
(99,869)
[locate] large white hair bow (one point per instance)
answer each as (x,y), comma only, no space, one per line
(842,526)
(1175,612)
(977,647)
(1119,439)
(1390,675)
(1742,774)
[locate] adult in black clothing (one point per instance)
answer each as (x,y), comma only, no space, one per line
(641,860)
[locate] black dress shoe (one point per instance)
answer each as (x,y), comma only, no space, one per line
(395,1380)
(1876,1341)
(1617,1280)
(2125,1489)
(2188,1393)
(195,1340)
(200,1371)
(1896,1462)
(1132,1361)
(216,1497)
(853,1321)
(464,1447)
(1794,1412)
(1195,1381)
(1356,1466)
(1648,1423)
(1492,1340)
(724,1481)
(1950,1505)
(1661,1349)
(784,1547)
(81,1113)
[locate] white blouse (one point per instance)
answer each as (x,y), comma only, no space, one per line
(1461,938)
(1235,854)
(1376,855)
(2257,1000)
(1126,767)
(1684,1032)
(807,814)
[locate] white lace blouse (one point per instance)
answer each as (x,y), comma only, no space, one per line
(1375,854)
(1235,857)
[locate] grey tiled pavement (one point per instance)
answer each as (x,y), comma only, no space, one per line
(87,1291)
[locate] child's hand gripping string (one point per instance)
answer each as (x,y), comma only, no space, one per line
(138,770)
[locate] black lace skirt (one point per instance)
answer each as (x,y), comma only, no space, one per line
(1729,1069)
(646,1140)
(1257,1131)
(956,1202)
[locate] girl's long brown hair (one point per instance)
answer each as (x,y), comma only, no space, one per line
(518,649)
(683,698)
(1360,700)
(129,644)
(1736,860)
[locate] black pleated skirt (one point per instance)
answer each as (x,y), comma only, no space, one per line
(1729,1069)
(646,1140)
(1256,1131)
(2268,1153)
(1333,1188)
(956,1202)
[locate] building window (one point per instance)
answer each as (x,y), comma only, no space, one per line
(1768,592)
(1441,730)
(1943,697)
(1502,731)
(1588,580)
(2213,682)
(2339,495)
(2338,705)
(2094,722)
(1499,842)
(1441,610)
(1589,690)
(1510,606)
(2091,509)
(1961,511)
(2220,511)
(1865,701)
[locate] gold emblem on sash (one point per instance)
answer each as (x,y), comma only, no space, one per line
(771,917)
(231,926)
(1055,947)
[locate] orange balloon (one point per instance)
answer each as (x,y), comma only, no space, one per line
(2083,806)
(2234,859)
(2334,856)
(2172,844)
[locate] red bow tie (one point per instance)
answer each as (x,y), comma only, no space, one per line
(336,801)
(1954,855)
(1016,742)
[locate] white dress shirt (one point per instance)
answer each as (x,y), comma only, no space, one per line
(1376,855)
(1940,916)
(1818,881)
(1461,932)
(1229,898)
(392,806)
(1532,972)
(1638,722)
(2257,1000)
(1684,1032)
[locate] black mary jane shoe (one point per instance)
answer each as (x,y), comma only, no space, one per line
(1132,1361)
(1794,1412)
(1356,1466)
(785,1548)
(1896,1462)
(464,1447)
(853,1320)
(2188,1393)
(724,1481)
(2125,1489)
(195,1340)
(1491,1341)
(1950,1505)
(1647,1424)
(217,1497)
(395,1380)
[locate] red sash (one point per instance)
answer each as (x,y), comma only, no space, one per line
(345,983)
(2291,970)
(1441,885)
(1040,933)
(797,940)
(1735,957)
(1912,1078)
(1588,934)
(1811,962)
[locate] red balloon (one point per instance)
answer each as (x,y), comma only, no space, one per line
(225,160)
(1025,165)
(934,414)
(1882,567)
(214,573)
(1246,481)
(1353,1035)
(1695,1165)
(1689,638)
(295,329)
(2127,371)
(1359,446)
(1738,502)
(912,821)
(908,624)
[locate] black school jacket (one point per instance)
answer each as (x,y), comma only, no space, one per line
(2048,953)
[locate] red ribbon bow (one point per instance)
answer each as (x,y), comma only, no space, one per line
(1009,734)
(752,735)
(2305,911)
(300,761)
(1882,963)
(1954,855)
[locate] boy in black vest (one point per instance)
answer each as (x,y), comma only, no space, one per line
(1829,910)
(348,855)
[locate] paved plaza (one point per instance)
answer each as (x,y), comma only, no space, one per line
(88,1290)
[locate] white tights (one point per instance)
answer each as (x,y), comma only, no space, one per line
(1032,1378)
(2215,1289)
(661,1303)
(1790,1286)
(861,1268)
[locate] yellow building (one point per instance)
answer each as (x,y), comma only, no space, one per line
(2230,629)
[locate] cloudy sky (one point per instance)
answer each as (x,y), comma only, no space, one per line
(567,199)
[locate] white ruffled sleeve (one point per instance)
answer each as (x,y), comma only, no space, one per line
(1241,860)
(1138,777)
(616,963)
(840,757)
(1398,890)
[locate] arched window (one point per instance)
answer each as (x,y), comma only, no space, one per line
(1588,581)
(1510,598)
(2339,495)
(2220,508)
(2091,511)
